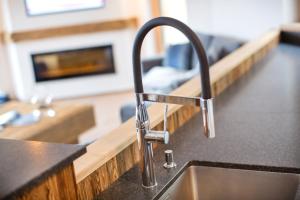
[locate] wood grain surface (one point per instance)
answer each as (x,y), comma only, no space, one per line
(59,186)
(293,27)
(72,30)
(70,121)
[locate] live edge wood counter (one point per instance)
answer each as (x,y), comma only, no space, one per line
(70,121)
(37,170)
(108,158)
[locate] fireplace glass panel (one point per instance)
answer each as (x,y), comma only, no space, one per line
(73,63)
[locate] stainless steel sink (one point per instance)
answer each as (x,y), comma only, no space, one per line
(206,182)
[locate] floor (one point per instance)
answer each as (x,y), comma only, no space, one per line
(107,113)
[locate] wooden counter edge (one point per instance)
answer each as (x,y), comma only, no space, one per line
(60,185)
(292,27)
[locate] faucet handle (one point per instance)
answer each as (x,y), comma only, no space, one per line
(159,136)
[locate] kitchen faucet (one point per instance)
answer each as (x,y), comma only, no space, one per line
(145,136)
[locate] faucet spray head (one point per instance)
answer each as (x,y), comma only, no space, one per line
(208,117)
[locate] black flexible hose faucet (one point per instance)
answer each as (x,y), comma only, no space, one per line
(144,134)
(166,21)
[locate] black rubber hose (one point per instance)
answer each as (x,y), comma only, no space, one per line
(189,33)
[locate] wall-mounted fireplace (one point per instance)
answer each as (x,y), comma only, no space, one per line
(101,59)
(73,63)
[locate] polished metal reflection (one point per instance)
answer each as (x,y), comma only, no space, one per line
(212,183)
(208,117)
(145,135)
(169,159)
(157,136)
(206,107)
(161,98)
(145,138)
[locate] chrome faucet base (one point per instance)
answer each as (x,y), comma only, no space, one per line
(145,138)
(149,187)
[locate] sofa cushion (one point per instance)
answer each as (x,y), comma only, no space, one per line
(166,79)
(217,48)
(214,53)
(127,111)
(206,41)
(178,56)
(225,45)
(3,97)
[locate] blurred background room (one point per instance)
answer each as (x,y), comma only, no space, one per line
(66,69)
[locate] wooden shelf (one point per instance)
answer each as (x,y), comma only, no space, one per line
(293,27)
(72,30)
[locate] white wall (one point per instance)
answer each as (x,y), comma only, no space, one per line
(77,86)
(178,11)
(5,80)
(245,19)
(144,13)
(5,74)
(17,20)
(114,9)
(19,53)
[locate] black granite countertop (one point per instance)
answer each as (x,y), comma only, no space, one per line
(257,124)
(24,164)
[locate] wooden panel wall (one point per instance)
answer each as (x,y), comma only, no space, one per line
(62,185)
(108,159)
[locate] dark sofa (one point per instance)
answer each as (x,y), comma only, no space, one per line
(3,97)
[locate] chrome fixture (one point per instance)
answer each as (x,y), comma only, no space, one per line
(144,134)
(169,159)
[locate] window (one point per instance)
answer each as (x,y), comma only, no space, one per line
(41,7)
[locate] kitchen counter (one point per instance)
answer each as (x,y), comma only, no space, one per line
(257,125)
(24,164)
(70,121)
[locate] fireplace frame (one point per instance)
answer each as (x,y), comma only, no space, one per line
(111,58)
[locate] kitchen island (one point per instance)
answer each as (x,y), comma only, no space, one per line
(37,170)
(257,127)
